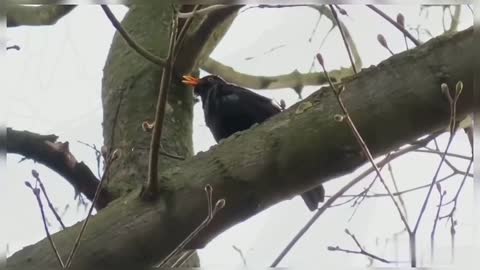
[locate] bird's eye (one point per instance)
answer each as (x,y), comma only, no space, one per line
(210,79)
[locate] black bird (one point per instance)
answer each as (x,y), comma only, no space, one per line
(229,108)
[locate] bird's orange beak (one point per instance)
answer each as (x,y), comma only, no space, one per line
(189,80)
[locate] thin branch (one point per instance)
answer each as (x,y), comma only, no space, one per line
(433,151)
(132,43)
(457,194)
(212,211)
(183,32)
(112,158)
(362,251)
(115,121)
(455,18)
(343,37)
(50,205)
(36,192)
(400,198)
(151,188)
(344,189)
(380,195)
(453,104)
(360,140)
(203,11)
(362,195)
(240,253)
(184,258)
(13,47)
(394,23)
(98,155)
(435,221)
(324,10)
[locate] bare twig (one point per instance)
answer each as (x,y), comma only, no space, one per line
(183,259)
(433,151)
(13,47)
(110,149)
(455,18)
(36,192)
(362,251)
(360,140)
(240,253)
(400,198)
(203,11)
(435,221)
(181,35)
(315,28)
(50,205)
(98,155)
(85,222)
(212,211)
(132,43)
(471,9)
(401,22)
(362,195)
(380,195)
(344,189)
(343,37)
(457,194)
(452,126)
(394,23)
(151,188)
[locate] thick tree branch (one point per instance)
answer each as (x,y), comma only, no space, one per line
(20,15)
(46,150)
(291,80)
(258,168)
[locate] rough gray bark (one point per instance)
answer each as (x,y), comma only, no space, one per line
(18,15)
(392,104)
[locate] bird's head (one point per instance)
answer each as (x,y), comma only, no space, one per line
(201,85)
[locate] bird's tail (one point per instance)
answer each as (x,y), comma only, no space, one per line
(313,197)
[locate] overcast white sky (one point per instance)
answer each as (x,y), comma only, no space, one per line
(54,86)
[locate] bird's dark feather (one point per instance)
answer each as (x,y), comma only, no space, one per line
(229,108)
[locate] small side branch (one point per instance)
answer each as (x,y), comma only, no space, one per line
(36,192)
(212,211)
(361,250)
(203,11)
(50,205)
(394,23)
(45,149)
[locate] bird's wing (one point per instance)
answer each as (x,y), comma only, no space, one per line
(235,99)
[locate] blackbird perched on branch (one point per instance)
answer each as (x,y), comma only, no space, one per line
(229,108)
